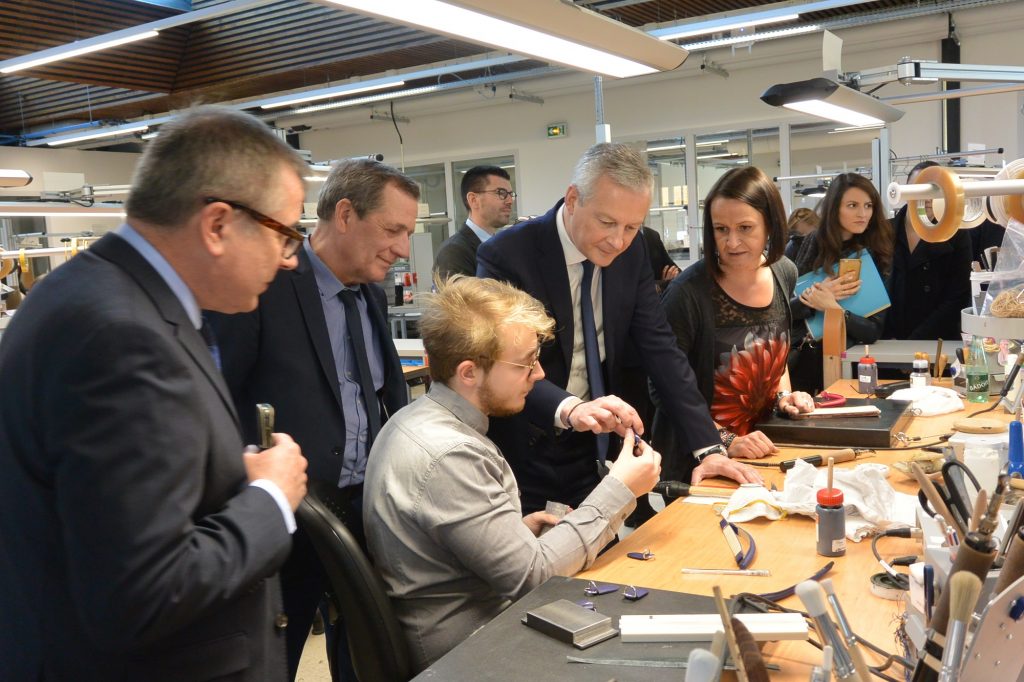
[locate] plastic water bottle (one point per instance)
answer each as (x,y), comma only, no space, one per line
(977,372)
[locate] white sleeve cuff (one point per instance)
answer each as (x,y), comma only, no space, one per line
(282,501)
(558,411)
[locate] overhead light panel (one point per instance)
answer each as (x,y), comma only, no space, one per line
(337,91)
(81,137)
(825,98)
(666,147)
(70,50)
(753,37)
(14,177)
(13,209)
(720,26)
(557,32)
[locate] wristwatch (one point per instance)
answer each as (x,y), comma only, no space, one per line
(779,396)
(713,450)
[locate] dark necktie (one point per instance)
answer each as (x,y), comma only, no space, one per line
(353,320)
(206,331)
(591,351)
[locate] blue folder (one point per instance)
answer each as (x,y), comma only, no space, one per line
(871,298)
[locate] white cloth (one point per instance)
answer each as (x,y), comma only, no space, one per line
(930,401)
(871,503)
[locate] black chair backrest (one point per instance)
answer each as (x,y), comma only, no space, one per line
(376,643)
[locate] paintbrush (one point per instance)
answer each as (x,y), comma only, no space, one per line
(753,662)
(964,588)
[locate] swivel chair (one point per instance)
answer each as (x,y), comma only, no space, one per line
(376,643)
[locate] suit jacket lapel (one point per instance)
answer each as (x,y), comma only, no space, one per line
(308,295)
(119,252)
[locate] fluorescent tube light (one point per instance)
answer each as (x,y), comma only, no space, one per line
(13,177)
(553,31)
(854,129)
(51,210)
(666,147)
(110,132)
(719,155)
(722,25)
(830,100)
(753,37)
(327,93)
(712,143)
(68,51)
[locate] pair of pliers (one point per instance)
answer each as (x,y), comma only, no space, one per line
(826,399)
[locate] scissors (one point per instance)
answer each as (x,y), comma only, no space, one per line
(953,492)
(826,399)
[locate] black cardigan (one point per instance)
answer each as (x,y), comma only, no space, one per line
(691,314)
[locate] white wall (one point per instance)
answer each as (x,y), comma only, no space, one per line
(470,124)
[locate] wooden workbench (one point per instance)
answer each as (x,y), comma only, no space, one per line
(686,534)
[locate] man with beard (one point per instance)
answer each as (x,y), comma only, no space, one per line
(443,520)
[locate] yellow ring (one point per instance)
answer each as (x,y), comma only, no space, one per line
(953,198)
(1013,204)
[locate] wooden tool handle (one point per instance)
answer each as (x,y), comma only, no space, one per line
(1013,564)
(967,559)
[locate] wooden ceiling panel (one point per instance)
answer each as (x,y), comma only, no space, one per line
(281,46)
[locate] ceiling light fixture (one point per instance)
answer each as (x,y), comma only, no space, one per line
(854,129)
(719,155)
(425,90)
(14,177)
(127,35)
(753,37)
(720,26)
(558,32)
(81,137)
(68,51)
(825,98)
(724,21)
(338,91)
(666,147)
(13,209)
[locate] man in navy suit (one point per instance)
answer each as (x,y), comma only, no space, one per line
(318,348)
(552,445)
(136,539)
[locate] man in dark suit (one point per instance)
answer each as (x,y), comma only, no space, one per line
(487,195)
(591,234)
(137,540)
(332,377)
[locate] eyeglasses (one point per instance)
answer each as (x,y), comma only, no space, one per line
(502,193)
(536,359)
(294,237)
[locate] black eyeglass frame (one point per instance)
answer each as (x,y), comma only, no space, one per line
(499,191)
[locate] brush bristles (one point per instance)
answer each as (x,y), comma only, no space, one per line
(701,666)
(964,588)
(826,584)
(812,596)
(753,662)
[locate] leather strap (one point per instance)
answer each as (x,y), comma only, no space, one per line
(833,345)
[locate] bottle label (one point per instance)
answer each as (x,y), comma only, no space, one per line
(977,383)
(866,378)
(839,544)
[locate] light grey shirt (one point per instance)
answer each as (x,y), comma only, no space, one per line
(445,528)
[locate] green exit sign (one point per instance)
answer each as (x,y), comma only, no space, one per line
(558,130)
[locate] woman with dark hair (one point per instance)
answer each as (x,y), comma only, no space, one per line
(730,314)
(851,221)
(930,283)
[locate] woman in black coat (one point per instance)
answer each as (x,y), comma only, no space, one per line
(930,283)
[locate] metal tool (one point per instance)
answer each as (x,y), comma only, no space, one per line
(954,493)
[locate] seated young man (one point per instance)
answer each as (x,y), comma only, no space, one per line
(441,506)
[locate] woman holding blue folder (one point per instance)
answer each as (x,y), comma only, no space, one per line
(852,226)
